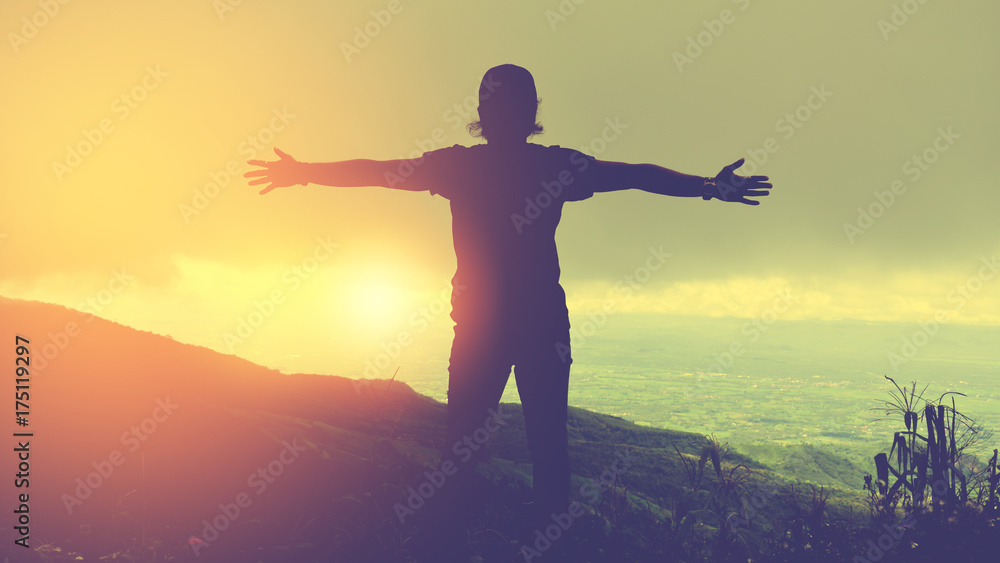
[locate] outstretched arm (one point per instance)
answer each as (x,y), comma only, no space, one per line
(286,171)
(726,185)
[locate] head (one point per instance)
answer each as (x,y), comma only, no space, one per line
(508,105)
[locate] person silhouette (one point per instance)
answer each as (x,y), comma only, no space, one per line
(509,309)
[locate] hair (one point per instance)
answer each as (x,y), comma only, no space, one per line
(507,99)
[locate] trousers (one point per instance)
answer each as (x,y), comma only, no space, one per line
(482,356)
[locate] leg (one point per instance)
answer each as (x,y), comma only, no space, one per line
(542,375)
(478,373)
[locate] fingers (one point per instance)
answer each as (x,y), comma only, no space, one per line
(281,155)
(743,185)
(261,176)
(740,180)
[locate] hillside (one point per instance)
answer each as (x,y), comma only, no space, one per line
(139,441)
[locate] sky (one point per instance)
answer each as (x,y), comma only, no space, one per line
(129,123)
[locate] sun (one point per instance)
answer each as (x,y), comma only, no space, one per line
(378,305)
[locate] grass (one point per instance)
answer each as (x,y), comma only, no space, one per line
(683,497)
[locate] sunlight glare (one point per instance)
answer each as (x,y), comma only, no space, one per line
(378,305)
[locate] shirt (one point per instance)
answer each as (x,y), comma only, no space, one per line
(506,203)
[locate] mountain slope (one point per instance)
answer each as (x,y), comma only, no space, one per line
(137,435)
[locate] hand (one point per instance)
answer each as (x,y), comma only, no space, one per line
(735,188)
(277,173)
